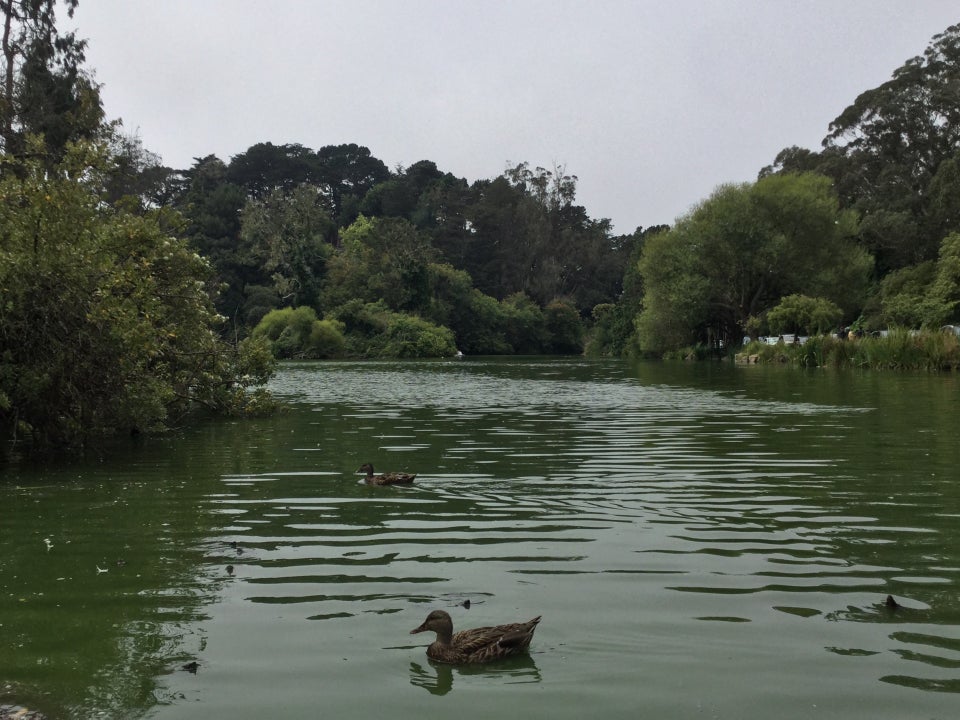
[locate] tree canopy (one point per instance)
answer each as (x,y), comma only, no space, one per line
(736,254)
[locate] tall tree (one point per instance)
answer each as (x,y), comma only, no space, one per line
(266,167)
(45,90)
(350,171)
(885,152)
(288,235)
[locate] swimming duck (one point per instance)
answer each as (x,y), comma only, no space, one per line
(479,645)
(385,479)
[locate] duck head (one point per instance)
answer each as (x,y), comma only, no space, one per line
(366,469)
(438,621)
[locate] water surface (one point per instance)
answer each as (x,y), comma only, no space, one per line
(701,540)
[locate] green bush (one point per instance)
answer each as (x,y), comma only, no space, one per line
(326,340)
(564,328)
(297,333)
(409,336)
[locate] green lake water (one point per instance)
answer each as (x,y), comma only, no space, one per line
(702,541)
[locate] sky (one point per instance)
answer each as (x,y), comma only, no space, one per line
(651,104)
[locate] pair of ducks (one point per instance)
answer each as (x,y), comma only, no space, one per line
(479,645)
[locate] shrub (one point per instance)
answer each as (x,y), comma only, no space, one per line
(564,328)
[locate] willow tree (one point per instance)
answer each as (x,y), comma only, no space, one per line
(743,249)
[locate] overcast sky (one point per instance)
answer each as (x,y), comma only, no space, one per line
(650,103)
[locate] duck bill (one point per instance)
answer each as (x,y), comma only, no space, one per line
(418,629)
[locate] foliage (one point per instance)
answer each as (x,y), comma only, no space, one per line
(564,328)
(892,155)
(286,234)
(739,252)
(525,328)
(297,333)
(381,258)
(899,349)
(801,313)
(408,336)
(924,295)
(675,303)
(45,90)
(373,330)
(106,322)
(613,331)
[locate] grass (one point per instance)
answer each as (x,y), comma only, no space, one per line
(899,350)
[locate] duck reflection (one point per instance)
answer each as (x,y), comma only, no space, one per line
(437,678)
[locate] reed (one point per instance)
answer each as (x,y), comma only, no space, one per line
(900,349)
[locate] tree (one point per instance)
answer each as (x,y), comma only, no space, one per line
(211,207)
(527,235)
(287,235)
(740,251)
(265,168)
(564,328)
(381,259)
(927,294)
(45,90)
(106,322)
(801,313)
(350,171)
(614,329)
(893,139)
(525,326)
(297,333)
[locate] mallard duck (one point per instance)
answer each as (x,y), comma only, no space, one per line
(385,479)
(479,645)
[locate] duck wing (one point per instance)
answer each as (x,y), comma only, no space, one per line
(397,478)
(502,637)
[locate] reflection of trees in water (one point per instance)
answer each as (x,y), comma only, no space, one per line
(111,601)
(521,669)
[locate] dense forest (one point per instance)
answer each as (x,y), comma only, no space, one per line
(132,293)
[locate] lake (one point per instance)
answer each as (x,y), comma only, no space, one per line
(702,541)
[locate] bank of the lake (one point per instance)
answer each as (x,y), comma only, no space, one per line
(901,349)
(701,539)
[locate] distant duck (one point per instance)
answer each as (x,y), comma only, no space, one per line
(385,479)
(479,645)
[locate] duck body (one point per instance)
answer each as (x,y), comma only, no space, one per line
(478,645)
(395,478)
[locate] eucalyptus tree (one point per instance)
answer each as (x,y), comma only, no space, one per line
(886,154)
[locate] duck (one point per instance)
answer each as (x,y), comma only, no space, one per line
(395,478)
(479,645)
